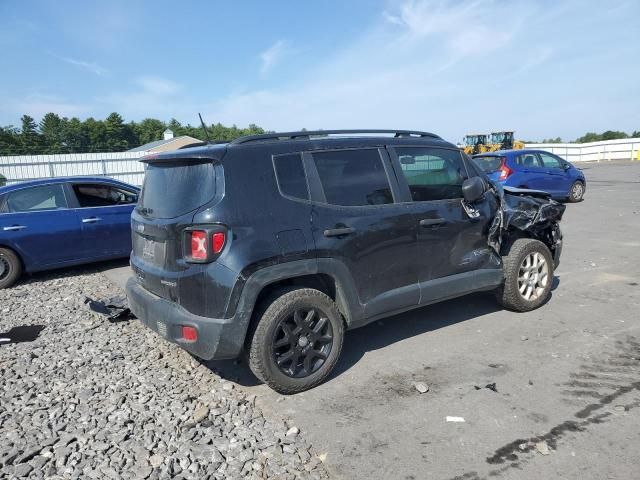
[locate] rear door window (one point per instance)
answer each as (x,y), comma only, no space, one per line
(528,160)
(172,189)
(432,173)
(46,197)
(290,175)
(353,177)
(102,195)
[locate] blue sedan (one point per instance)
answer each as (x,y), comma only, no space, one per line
(534,169)
(58,222)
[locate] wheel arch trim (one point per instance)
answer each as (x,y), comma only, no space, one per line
(346,294)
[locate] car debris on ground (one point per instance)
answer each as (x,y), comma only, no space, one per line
(21,333)
(455,419)
(489,386)
(543,448)
(421,387)
(114,308)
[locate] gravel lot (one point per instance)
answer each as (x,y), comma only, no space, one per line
(93,399)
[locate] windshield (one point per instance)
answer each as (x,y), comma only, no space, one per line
(472,140)
(174,188)
(488,164)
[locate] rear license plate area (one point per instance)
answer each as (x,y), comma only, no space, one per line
(150,250)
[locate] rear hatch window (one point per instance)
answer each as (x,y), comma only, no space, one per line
(488,164)
(172,189)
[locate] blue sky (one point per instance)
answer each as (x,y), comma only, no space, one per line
(544,68)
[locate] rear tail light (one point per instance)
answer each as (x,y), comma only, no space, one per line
(218,239)
(203,245)
(189,334)
(199,244)
(504,170)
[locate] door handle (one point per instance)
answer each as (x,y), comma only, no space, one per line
(337,232)
(91,220)
(432,222)
(14,228)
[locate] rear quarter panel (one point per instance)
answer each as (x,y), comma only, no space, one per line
(266,227)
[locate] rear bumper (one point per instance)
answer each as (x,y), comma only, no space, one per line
(218,338)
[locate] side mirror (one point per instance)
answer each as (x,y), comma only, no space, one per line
(473,189)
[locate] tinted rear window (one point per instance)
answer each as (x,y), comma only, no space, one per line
(290,175)
(488,164)
(353,177)
(174,188)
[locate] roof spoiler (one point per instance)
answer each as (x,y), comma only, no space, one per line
(183,157)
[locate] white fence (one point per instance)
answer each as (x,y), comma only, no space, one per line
(124,166)
(624,149)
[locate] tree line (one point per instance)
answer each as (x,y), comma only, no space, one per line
(55,134)
(595,137)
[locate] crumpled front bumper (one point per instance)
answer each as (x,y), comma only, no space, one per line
(557,250)
(529,211)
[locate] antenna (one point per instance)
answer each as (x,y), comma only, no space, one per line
(204,128)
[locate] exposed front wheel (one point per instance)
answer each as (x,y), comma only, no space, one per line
(577,192)
(297,341)
(528,275)
(10,268)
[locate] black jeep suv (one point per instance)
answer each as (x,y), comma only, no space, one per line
(275,244)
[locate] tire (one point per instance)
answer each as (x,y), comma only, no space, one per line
(577,192)
(288,333)
(524,289)
(10,268)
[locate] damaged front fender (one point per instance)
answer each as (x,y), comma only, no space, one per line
(529,213)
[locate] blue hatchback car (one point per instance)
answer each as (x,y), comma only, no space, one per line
(534,169)
(58,222)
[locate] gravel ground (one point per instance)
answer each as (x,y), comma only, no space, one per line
(93,399)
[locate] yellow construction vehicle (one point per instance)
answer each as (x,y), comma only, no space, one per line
(503,141)
(475,143)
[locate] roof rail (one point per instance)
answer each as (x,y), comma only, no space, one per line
(306,135)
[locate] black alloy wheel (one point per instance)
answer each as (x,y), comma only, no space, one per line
(296,341)
(302,342)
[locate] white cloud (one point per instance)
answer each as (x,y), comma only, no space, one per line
(88,66)
(157,86)
(37,105)
(150,96)
(273,55)
(393,19)
(536,58)
(400,73)
(465,27)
